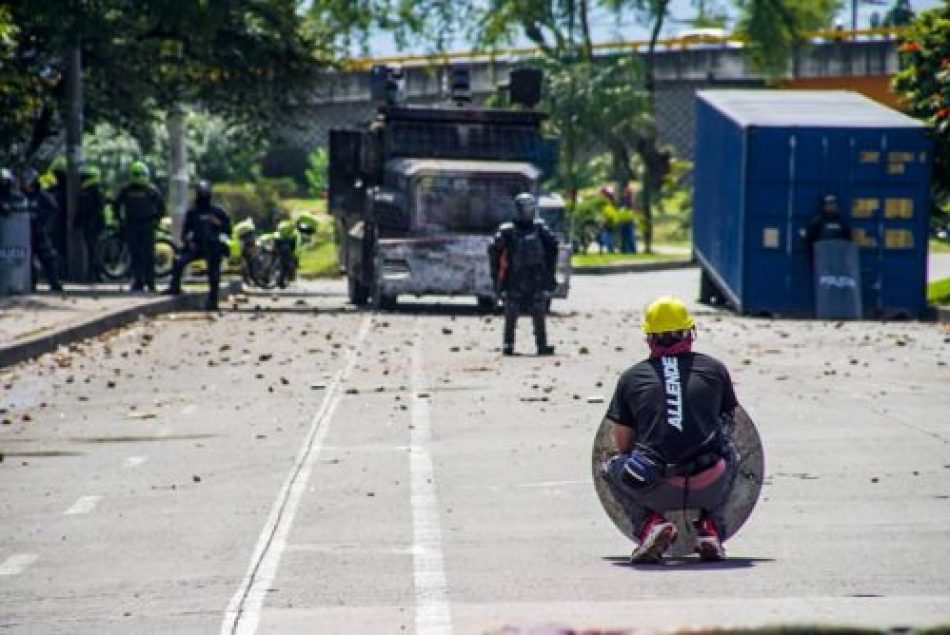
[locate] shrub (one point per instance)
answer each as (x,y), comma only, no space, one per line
(251,200)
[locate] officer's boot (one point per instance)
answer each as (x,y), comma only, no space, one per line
(511,321)
(174,285)
(541,335)
(214,284)
(48,261)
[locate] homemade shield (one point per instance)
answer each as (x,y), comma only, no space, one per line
(837,280)
(745,492)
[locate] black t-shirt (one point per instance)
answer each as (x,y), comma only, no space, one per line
(673,403)
(827,227)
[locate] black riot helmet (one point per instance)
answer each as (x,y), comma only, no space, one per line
(203,193)
(6,180)
(829,204)
(526,208)
(29,180)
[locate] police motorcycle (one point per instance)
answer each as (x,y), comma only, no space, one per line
(243,250)
(279,255)
(115,262)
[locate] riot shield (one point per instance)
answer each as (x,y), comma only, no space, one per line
(837,280)
(742,499)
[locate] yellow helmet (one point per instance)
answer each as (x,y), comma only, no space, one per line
(666,315)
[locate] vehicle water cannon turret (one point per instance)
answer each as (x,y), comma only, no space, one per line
(524,86)
(460,85)
(387,84)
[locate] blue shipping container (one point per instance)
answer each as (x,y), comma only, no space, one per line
(764,161)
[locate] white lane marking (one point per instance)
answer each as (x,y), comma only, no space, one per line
(244,610)
(433,613)
(17,563)
(133,461)
(84,505)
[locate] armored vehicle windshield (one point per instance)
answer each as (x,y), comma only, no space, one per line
(463,197)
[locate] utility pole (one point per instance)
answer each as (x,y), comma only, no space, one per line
(75,256)
(177,169)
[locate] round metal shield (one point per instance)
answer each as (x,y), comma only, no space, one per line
(742,499)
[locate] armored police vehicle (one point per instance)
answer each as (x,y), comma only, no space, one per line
(419,192)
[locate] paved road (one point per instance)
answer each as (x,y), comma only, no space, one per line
(306,468)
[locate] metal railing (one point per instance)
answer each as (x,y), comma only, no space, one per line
(666,44)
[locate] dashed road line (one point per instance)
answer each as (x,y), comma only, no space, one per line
(16,563)
(433,612)
(133,461)
(84,505)
(244,610)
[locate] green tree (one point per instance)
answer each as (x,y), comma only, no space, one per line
(317,174)
(924,85)
(774,29)
(244,60)
(348,26)
(655,161)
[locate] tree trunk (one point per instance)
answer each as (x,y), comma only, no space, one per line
(660,7)
(585,30)
(75,256)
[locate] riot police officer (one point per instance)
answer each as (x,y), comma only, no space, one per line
(828,224)
(204,236)
(90,215)
(522,260)
(43,213)
(138,207)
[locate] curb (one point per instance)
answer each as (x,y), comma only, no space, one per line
(48,342)
(630,267)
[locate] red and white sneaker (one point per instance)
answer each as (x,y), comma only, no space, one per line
(708,544)
(656,538)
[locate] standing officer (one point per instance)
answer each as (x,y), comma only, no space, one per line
(522,260)
(205,234)
(138,208)
(57,227)
(90,217)
(828,224)
(43,212)
(670,414)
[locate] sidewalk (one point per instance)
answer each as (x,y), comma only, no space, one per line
(32,325)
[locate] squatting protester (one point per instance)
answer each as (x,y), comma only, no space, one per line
(669,415)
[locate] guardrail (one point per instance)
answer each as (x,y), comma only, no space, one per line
(666,44)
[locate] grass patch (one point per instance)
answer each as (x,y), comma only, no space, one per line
(599,260)
(315,206)
(939,246)
(319,260)
(938,292)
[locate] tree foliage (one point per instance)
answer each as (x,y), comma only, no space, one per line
(348,26)
(594,105)
(245,60)
(773,29)
(924,85)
